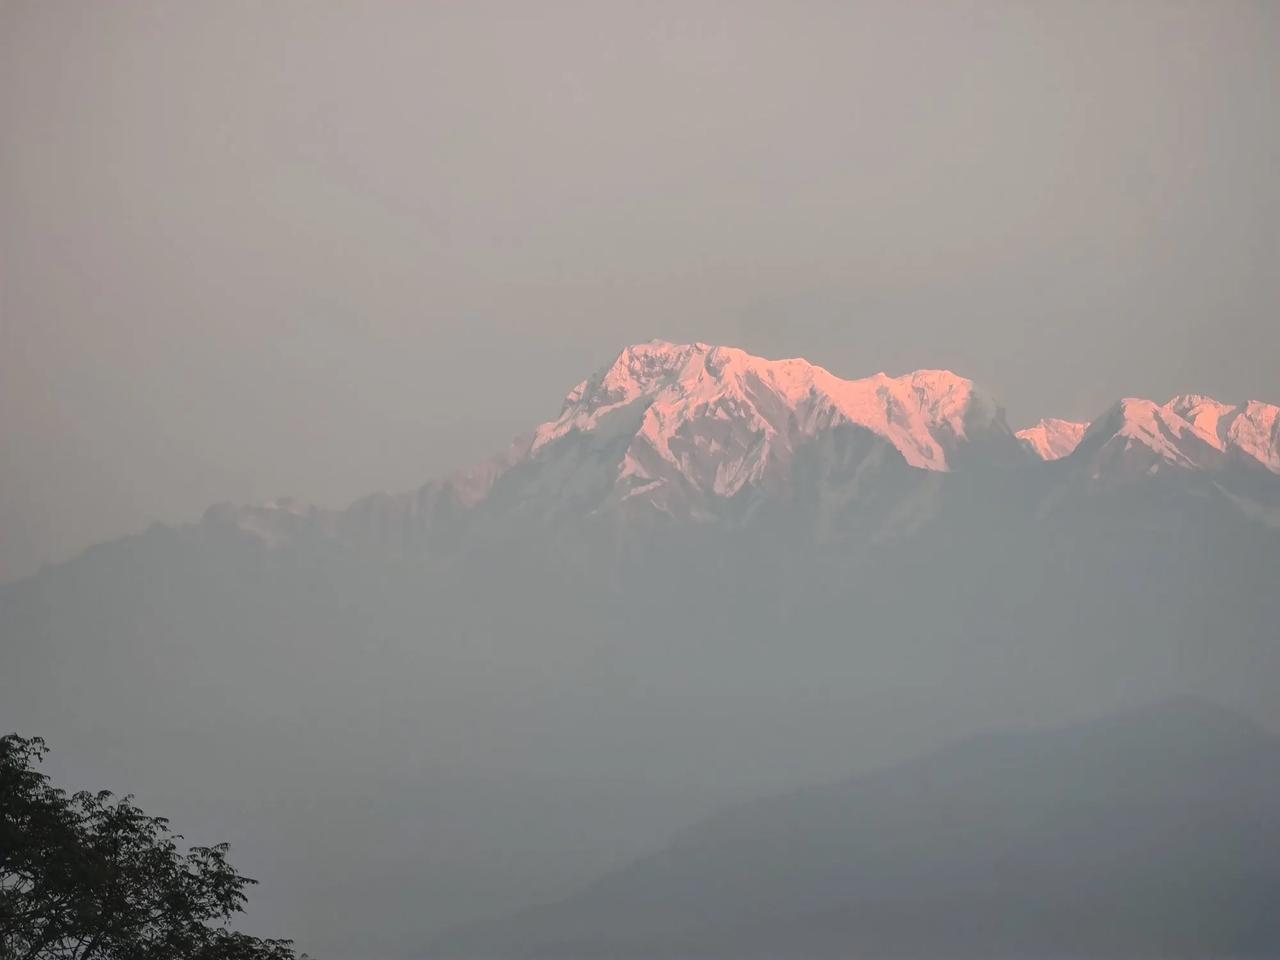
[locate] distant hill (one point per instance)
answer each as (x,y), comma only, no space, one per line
(1151,833)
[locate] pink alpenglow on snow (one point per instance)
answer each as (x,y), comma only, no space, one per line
(686,428)
(1052,439)
(1191,431)
(921,413)
(1251,429)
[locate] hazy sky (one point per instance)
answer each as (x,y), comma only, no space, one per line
(321,249)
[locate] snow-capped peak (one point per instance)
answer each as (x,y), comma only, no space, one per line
(1052,439)
(1138,424)
(639,370)
(1191,431)
(922,414)
(1250,429)
(701,431)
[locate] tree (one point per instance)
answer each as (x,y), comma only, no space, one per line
(89,876)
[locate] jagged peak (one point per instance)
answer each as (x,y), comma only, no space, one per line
(1051,438)
(679,424)
(935,380)
(921,413)
(1185,403)
(1156,427)
(651,366)
(1251,429)
(1193,430)
(645,365)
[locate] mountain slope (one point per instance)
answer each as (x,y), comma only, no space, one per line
(1189,432)
(1249,431)
(1150,832)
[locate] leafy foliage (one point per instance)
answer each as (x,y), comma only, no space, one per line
(90,876)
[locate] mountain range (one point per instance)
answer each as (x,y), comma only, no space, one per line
(1153,832)
(712,434)
(709,577)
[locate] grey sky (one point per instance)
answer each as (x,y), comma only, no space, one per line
(323,248)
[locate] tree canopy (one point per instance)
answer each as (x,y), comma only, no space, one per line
(90,876)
